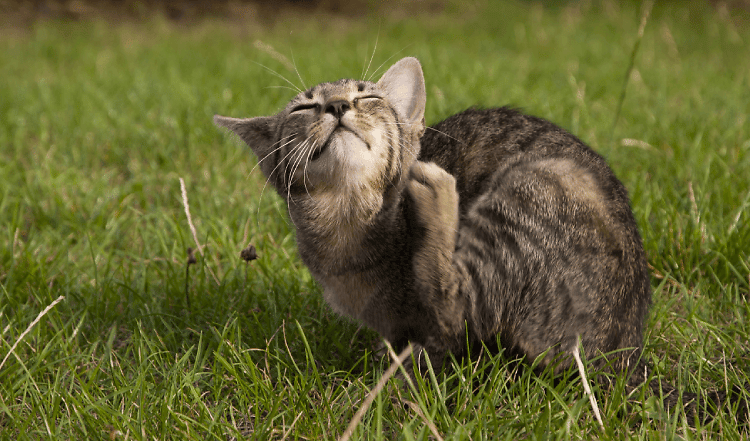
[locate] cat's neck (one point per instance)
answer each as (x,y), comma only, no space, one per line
(351,257)
(335,230)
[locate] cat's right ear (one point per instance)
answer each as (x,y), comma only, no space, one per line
(257,132)
(403,85)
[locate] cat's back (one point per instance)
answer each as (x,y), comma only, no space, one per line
(472,145)
(503,154)
(477,144)
(556,223)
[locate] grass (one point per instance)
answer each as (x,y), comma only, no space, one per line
(99,121)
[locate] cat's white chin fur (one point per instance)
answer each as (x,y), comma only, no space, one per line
(350,160)
(350,154)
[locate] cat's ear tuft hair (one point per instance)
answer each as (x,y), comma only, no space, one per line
(257,132)
(403,85)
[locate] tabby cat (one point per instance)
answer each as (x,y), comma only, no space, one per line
(490,226)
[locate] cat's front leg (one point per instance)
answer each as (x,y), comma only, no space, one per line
(435,211)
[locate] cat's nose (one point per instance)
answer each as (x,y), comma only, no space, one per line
(337,107)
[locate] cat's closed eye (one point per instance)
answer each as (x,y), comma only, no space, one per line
(307,106)
(366,98)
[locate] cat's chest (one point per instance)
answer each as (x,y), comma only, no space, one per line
(348,294)
(368,300)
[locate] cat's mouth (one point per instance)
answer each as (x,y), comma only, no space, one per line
(334,136)
(316,154)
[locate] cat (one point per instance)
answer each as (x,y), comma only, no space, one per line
(491,226)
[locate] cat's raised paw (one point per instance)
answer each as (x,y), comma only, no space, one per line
(433,191)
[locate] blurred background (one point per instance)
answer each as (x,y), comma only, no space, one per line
(26,11)
(22,11)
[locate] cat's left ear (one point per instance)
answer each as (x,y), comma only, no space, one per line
(258,134)
(403,86)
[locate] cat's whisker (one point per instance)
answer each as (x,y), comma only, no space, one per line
(282,87)
(294,63)
(374,49)
(289,160)
(270,154)
(445,134)
(297,89)
(267,157)
(288,171)
(293,166)
(260,198)
(280,162)
(429,128)
(296,162)
(282,159)
(310,152)
(387,60)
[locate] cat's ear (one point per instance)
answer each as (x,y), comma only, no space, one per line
(257,132)
(403,86)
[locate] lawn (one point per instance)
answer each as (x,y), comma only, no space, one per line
(107,333)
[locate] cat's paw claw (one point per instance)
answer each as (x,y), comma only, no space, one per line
(433,191)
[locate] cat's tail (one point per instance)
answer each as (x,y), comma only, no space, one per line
(701,407)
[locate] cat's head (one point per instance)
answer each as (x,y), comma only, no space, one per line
(349,136)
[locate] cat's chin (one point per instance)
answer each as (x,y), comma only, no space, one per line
(347,149)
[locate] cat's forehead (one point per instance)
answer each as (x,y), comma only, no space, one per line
(341,87)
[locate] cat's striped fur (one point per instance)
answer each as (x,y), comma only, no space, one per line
(490,224)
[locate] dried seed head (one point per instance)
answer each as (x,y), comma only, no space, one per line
(249,253)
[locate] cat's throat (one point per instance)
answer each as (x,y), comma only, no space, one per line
(333,223)
(335,243)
